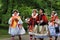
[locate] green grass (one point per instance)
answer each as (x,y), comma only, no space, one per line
(4,33)
(4,36)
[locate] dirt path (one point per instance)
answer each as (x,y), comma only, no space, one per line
(25,37)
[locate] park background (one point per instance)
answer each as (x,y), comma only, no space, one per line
(25,8)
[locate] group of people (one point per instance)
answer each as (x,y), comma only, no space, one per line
(16,24)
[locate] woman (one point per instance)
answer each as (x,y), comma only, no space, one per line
(32,23)
(51,23)
(15,25)
(54,24)
(42,19)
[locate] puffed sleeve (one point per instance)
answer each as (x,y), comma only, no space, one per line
(20,21)
(9,22)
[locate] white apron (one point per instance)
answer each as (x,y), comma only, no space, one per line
(16,30)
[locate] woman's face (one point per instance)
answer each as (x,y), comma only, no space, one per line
(40,11)
(34,13)
(15,13)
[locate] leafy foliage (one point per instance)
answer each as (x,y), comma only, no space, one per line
(25,7)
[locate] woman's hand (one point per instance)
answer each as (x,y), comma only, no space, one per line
(41,21)
(20,26)
(38,21)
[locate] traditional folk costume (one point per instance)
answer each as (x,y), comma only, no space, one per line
(15,26)
(42,22)
(54,26)
(32,23)
(42,19)
(54,23)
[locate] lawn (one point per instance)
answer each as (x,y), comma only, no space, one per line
(4,33)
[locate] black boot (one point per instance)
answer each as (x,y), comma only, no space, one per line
(56,37)
(41,38)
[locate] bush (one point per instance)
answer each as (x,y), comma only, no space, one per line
(4,26)
(25,26)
